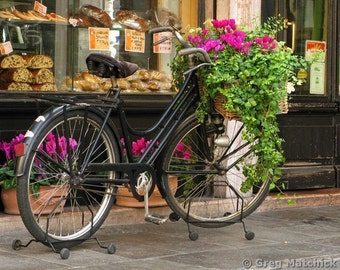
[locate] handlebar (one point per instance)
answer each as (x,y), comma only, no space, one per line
(188,48)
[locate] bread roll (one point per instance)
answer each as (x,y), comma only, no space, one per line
(97,14)
(15,86)
(16,75)
(38,61)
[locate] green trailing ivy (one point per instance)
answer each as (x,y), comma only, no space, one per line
(254,72)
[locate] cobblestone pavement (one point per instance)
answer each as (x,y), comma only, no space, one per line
(296,238)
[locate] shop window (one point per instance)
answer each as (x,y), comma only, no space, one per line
(306,33)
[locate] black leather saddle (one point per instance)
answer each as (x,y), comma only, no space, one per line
(106,66)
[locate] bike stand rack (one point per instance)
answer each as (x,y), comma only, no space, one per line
(63,252)
(193,235)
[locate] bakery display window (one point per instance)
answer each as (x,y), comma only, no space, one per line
(44,44)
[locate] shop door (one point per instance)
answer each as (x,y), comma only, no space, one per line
(305,32)
(308,129)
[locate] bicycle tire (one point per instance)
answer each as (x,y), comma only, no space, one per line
(200,195)
(81,207)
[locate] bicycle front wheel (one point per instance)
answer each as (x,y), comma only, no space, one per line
(75,205)
(202,175)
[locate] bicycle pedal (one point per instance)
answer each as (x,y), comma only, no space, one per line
(156,219)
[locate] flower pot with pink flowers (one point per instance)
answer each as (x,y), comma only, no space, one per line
(44,191)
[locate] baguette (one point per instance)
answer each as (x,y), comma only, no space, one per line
(6,14)
(56,18)
(23,15)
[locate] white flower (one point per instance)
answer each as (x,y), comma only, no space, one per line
(290,87)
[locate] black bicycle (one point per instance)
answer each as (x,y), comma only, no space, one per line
(76,150)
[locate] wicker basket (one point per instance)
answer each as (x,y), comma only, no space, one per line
(220,100)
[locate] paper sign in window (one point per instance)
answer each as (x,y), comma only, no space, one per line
(134,41)
(40,8)
(164,40)
(99,38)
(6,47)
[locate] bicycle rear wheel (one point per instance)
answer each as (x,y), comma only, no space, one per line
(207,192)
(53,157)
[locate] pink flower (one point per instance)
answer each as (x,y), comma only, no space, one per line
(228,25)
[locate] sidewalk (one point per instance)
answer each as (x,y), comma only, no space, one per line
(291,238)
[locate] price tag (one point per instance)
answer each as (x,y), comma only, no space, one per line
(40,8)
(134,41)
(166,45)
(99,38)
(6,47)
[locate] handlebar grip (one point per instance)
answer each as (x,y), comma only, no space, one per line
(193,50)
(161,29)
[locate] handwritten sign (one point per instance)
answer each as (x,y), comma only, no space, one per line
(134,41)
(6,47)
(99,38)
(163,47)
(40,8)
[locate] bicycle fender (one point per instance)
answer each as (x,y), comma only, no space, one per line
(39,124)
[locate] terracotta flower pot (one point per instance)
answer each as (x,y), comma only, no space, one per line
(125,198)
(9,200)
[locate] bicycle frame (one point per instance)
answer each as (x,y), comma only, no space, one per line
(185,99)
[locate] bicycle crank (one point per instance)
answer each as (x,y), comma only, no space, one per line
(144,183)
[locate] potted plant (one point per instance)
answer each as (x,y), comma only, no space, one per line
(251,75)
(42,185)
(125,197)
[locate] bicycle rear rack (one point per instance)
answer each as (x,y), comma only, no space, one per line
(57,247)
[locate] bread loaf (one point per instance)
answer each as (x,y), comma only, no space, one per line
(12,61)
(131,20)
(85,21)
(38,61)
(15,86)
(44,87)
(97,14)
(43,75)
(16,75)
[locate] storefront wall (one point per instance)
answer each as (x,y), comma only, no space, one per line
(310,129)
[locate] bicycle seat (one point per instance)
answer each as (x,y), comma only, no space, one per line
(106,66)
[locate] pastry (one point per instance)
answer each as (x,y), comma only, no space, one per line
(15,86)
(12,61)
(43,75)
(38,61)
(16,75)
